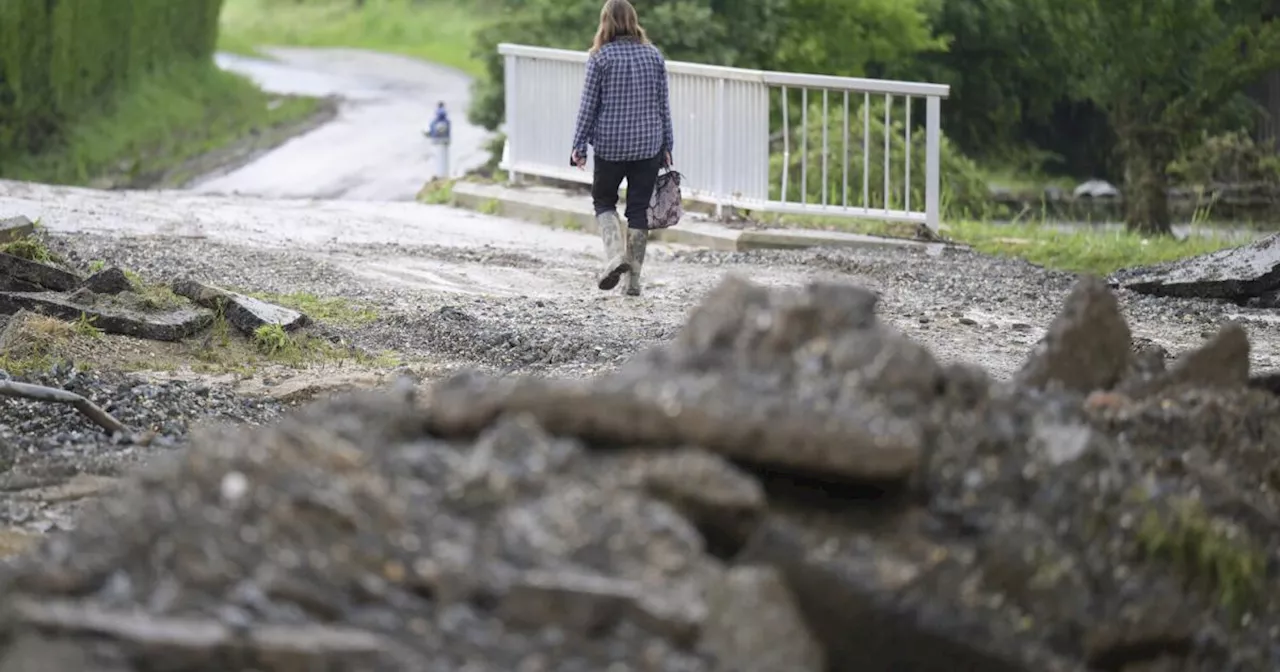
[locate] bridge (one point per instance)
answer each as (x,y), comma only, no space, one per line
(755,140)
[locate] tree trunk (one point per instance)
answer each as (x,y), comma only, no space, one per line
(1146,184)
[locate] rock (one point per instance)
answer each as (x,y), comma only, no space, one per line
(38,274)
(1222,363)
(1236,274)
(578,603)
(754,624)
(15,228)
(244,312)
(108,281)
(724,502)
(805,381)
(1086,348)
(869,607)
(772,431)
(174,325)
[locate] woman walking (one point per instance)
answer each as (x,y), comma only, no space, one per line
(626,118)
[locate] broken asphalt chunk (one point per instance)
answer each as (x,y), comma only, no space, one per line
(15,228)
(1235,274)
(244,312)
(108,281)
(173,325)
(37,274)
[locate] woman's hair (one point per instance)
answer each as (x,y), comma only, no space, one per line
(618,19)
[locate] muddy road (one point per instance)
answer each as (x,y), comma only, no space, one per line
(374,149)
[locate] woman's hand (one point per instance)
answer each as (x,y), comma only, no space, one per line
(666,156)
(578,160)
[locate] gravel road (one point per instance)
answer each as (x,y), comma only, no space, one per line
(513,296)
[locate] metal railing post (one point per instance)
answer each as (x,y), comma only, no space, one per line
(511,88)
(720,148)
(932,163)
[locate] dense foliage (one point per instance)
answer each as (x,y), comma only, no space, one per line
(59,59)
(1119,89)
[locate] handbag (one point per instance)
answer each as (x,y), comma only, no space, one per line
(665,206)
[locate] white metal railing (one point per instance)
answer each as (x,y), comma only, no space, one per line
(735,143)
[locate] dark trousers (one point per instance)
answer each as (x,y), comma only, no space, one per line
(640,176)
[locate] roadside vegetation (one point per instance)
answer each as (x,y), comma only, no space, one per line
(440,31)
(145,133)
(120,93)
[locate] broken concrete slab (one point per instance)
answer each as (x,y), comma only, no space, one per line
(108,281)
(1235,274)
(14,228)
(244,312)
(35,273)
(173,325)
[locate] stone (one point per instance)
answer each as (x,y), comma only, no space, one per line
(580,603)
(866,605)
(15,228)
(173,325)
(244,312)
(35,273)
(108,281)
(1087,346)
(723,502)
(860,444)
(1235,274)
(1220,364)
(804,381)
(754,623)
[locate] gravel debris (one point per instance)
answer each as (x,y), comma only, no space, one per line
(490,523)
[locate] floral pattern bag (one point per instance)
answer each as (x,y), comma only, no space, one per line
(665,207)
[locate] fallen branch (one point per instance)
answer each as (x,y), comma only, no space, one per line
(9,388)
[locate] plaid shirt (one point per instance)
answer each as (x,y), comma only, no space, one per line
(626,111)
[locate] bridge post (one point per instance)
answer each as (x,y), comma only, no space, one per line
(932,163)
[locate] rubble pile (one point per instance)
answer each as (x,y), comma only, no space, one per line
(33,281)
(790,485)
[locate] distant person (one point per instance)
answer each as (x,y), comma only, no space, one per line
(440,124)
(626,118)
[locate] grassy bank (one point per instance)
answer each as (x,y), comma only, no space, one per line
(153,127)
(440,31)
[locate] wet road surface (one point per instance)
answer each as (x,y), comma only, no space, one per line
(374,150)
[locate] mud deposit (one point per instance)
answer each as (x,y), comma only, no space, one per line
(790,484)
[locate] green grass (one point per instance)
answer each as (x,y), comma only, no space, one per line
(334,310)
(1098,251)
(440,31)
(157,125)
(1081,251)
